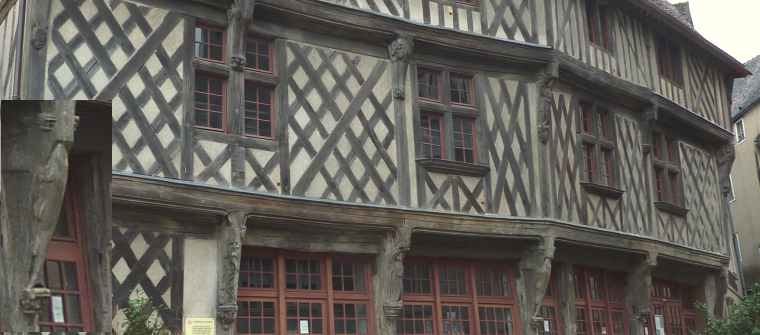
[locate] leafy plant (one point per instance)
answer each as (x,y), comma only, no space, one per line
(743,318)
(142,317)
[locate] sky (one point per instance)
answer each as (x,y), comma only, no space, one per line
(732,25)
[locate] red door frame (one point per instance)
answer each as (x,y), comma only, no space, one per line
(667,303)
(606,304)
(70,250)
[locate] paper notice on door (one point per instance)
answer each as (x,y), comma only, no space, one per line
(56,305)
(304,326)
(546,326)
(659,324)
(604,330)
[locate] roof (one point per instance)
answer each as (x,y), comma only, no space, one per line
(746,90)
(679,20)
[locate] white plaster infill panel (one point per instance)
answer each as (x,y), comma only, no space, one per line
(200,278)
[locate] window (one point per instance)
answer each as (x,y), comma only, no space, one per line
(673,303)
(209,102)
(597,19)
(303,293)
(432,135)
(67,309)
(258,54)
(471,298)
(668,60)
(258,109)
(599,302)
(740,133)
(667,169)
(209,43)
(447,121)
(598,145)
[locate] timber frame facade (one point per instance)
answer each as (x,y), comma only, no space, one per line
(252,184)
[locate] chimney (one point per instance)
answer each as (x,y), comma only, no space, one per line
(683,9)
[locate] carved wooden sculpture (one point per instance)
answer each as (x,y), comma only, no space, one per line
(389,276)
(231,235)
(36,144)
(535,272)
(638,295)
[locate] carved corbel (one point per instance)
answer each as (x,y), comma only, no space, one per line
(648,120)
(390,277)
(231,235)
(399,51)
(638,293)
(535,272)
(726,157)
(546,80)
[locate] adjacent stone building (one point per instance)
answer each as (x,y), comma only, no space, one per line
(405,166)
(745,175)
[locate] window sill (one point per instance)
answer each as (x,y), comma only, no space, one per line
(453,167)
(603,190)
(671,208)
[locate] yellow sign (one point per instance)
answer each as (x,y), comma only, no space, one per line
(199,326)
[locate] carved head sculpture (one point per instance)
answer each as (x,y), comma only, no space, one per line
(400,48)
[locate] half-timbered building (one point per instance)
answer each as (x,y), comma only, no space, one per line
(402,166)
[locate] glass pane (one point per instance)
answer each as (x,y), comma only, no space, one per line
(62,228)
(242,325)
(70,276)
(53,273)
(269,325)
(73,309)
(216,120)
(316,326)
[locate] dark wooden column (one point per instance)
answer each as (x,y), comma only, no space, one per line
(36,143)
(230,240)
(535,272)
(566,283)
(388,279)
(638,294)
(399,52)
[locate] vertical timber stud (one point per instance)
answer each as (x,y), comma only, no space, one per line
(638,294)
(230,239)
(239,16)
(34,56)
(38,136)
(648,119)
(535,271)
(399,52)
(545,84)
(389,277)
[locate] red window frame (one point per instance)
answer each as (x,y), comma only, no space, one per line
(597,24)
(256,114)
(207,92)
(426,124)
(256,65)
(461,124)
(473,299)
(667,168)
(468,91)
(69,250)
(597,145)
(675,303)
(325,295)
(599,296)
(208,45)
(668,57)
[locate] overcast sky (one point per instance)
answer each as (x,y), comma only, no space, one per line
(730,24)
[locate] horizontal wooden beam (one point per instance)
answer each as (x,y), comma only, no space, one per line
(160,194)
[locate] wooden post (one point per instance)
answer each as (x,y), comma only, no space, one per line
(566,296)
(399,52)
(535,272)
(638,294)
(388,281)
(230,239)
(38,136)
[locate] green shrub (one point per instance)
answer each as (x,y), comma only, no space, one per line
(743,318)
(142,317)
